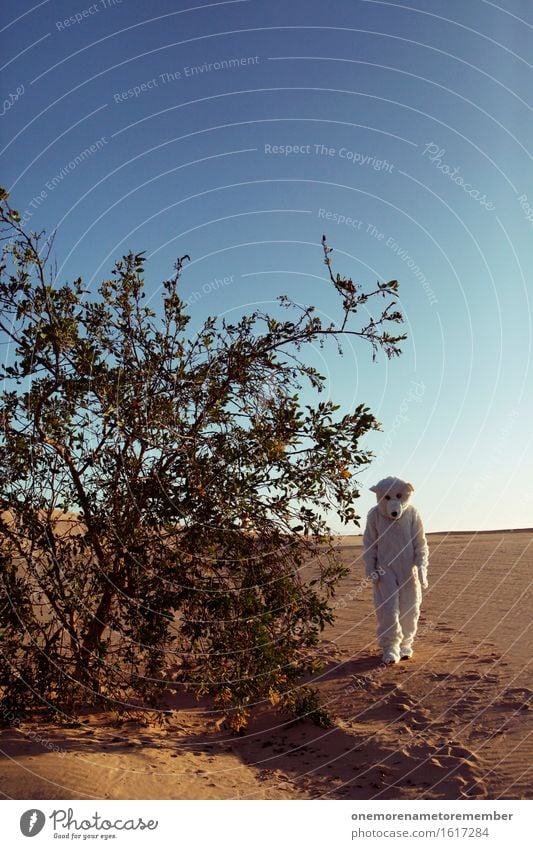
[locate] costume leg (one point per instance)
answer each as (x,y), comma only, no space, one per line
(386,602)
(410,597)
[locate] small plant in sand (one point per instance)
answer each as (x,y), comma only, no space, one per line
(164,494)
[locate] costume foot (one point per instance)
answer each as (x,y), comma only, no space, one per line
(389,658)
(406,654)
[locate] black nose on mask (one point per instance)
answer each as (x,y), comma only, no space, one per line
(394,513)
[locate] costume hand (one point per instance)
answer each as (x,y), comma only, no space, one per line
(422,575)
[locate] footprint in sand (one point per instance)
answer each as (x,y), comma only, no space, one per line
(443,772)
(516,698)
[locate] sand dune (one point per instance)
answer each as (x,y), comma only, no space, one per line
(453,723)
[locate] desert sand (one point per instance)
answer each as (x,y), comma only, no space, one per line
(455,722)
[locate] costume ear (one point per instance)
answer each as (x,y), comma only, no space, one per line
(409,487)
(374,488)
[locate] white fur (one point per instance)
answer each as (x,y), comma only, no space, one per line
(396,560)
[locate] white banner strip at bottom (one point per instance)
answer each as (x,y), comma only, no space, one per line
(265,824)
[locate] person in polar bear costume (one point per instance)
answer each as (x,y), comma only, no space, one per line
(395,554)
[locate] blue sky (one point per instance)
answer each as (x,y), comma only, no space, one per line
(166,127)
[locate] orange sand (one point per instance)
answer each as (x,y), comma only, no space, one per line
(454,722)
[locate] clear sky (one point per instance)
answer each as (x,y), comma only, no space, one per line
(239,132)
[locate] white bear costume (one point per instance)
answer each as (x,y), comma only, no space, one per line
(396,560)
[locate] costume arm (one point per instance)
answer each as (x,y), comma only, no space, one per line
(370,548)
(420,549)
